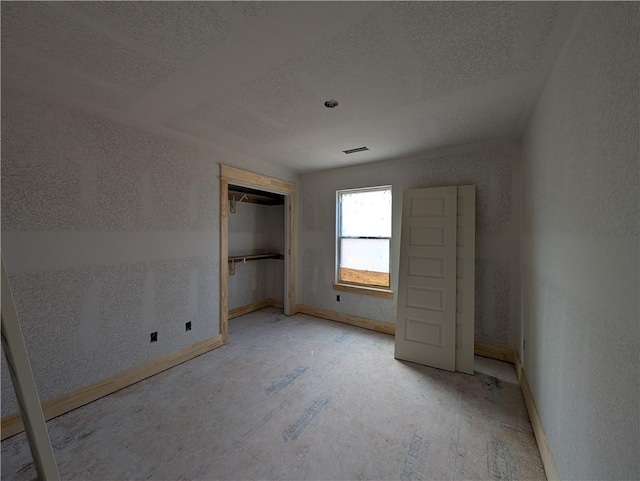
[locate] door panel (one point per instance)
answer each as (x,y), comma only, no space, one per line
(418,331)
(465,273)
(426,318)
(426,267)
(427,236)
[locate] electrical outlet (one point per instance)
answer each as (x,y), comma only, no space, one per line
(338,297)
(154,336)
(187,326)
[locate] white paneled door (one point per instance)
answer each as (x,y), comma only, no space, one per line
(435,318)
(426,317)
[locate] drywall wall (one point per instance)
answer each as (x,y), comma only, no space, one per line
(495,170)
(248,229)
(580,248)
(108,233)
(256,229)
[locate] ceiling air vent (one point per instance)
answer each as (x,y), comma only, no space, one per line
(353,151)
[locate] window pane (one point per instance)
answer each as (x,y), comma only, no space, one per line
(366,214)
(365,261)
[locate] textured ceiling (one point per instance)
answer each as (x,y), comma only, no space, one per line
(251,77)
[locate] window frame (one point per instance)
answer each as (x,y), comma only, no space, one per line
(340,285)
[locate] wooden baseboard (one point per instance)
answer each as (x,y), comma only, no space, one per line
(242,310)
(275,303)
(501,353)
(255,306)
(353,320)
(12,424)
(550,467)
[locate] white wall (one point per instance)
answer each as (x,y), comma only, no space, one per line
(493,167)
(108,233)
(580,248)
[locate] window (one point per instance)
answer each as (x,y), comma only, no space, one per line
(364,237)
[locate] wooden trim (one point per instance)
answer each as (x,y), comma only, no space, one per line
(275,303)
(550,467)
(368,291)
(242,310)
(224,258)
(251,179)
(12,424)
(353,320)
(501,353)
(255,306)
(244,178)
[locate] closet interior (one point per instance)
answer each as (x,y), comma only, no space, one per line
(256,240)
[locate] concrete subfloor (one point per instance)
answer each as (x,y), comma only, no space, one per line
(298,398)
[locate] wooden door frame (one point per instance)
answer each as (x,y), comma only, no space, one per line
(244,178)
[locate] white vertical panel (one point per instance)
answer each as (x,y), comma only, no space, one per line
(465,273)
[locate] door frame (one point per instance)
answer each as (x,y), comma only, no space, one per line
(244,178)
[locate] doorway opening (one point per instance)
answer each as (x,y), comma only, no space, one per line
(238,186)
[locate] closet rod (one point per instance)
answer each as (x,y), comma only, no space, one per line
(255,257)
(242,259)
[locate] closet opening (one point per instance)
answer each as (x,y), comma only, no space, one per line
(256,244)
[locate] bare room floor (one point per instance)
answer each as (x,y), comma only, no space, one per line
(298,398)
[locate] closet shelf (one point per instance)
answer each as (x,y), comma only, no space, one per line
(255,257)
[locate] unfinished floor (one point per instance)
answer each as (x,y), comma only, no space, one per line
(298,398)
